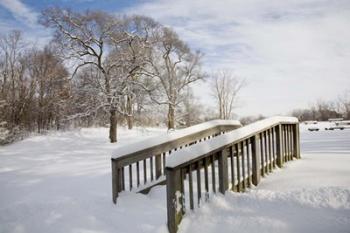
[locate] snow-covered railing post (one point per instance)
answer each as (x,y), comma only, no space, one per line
(239,158)
(158,164)
(174,185)
(147,158)
(223,170)
(255,160)
(296,141)
(279,144)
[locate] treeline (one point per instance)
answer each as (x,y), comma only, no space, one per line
(98,69)
(324,110)
(34,87)
(319,111)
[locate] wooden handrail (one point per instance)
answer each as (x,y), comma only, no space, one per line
(153,152)
(241,157)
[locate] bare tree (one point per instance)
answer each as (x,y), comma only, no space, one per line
(190,111)
(31,84)
(52,88)
(116,47)
(344,104)
(225,88)
(325,110)
(132,56)
(86,39)
(17,90)
(12,70)
(175,66)
(321,111)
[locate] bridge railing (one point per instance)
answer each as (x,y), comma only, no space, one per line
(233,161)
(140,166)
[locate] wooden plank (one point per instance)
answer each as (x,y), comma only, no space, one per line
(279,146)
(238,168)
(190,188)
(255,160)
(144,171)
(248,163)
(206,179)
(122,178)
(287,141)
(232,169)
(266,167)
(158,165)
(199,184)
(273,147)
(270,150)
(262,155)
(174,198)
(242,145)
(115,181)
(285,144)
(212,160)
(164,161)
(292,141)
(223,171)
(130,177)
(182,190)
(138,173)
(151,167)
(297,141)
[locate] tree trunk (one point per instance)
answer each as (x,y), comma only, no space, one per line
(58,123)
(130,116)
(39,123)
(171,117)
(113,126)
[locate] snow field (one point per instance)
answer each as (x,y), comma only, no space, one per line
(62,183)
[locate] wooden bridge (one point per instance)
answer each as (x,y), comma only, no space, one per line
(221,155)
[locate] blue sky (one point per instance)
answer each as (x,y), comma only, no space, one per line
(291,53)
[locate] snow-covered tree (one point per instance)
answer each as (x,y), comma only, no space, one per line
(225,88)
(115,47)
(52,87)
(175,66)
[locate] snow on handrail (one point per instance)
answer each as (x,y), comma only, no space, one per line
(188,154)
(172,136)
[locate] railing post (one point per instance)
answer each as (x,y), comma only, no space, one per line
(174,198)
(255,160)
(115,181)
(279,146)
(158,163)
(296,140)
(223,171)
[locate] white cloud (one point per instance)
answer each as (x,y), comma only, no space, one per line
(291,52)
(20,11)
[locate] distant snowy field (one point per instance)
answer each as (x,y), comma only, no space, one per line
(62,183)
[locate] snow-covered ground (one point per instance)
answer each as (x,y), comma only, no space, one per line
(61,183)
